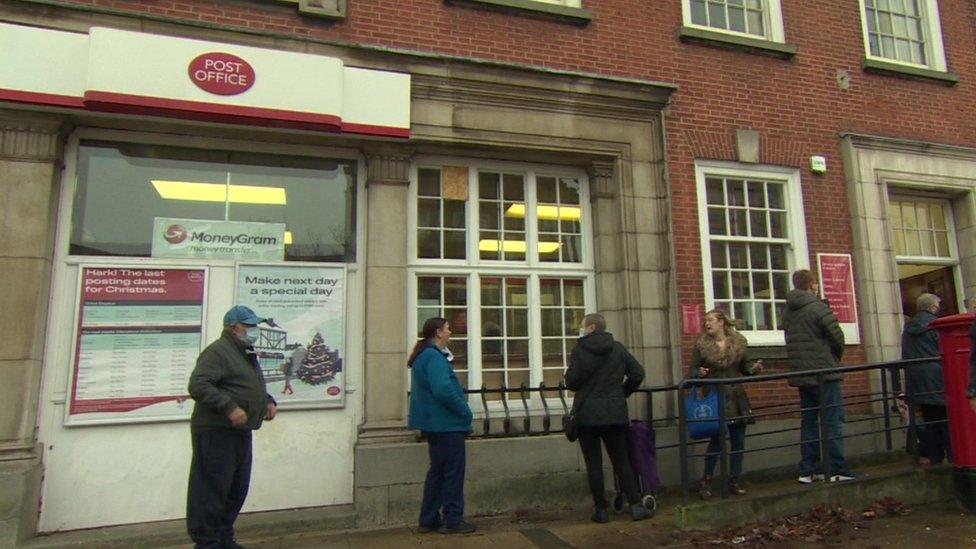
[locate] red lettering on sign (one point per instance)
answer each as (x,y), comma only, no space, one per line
(221,73)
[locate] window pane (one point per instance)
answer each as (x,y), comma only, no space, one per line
(777,257)
(552,322)
(489,214)
(428,212)
(757,254)
(569,191)
(454,214)
(428,244)
(777,224)
(764,316)
(514,187)
(491,291)
(781,285)
(761,285)
(714,191)
(573,293)
(429,182)
(124,187)
(740,285)
(515,292)
(488,185)
(938,217)
(719,258)
(571,249)
(755,21)
(545,190)
(455,291)
(716,221)
(757,195)
(429,288)
(738,256)
(454,245)
(517,322)
(737,222)
(743,314)
(737,19)
(698,13)
(720,285)
(757,221)
(716,15)
(775,195)
(736,192)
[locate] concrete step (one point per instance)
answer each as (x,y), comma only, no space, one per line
(780,499)
(173,532)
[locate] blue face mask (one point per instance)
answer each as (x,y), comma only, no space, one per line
(251,334)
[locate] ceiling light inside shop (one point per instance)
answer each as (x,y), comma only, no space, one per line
(515,246)
(287,238)
(563,213)
(217,192)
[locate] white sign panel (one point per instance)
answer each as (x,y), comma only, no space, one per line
(198,238)
(303,355)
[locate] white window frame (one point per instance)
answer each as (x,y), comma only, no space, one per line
(934,47)
(796,228)
(474,269)
(773,21)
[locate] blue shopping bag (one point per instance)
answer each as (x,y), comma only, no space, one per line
(701,411)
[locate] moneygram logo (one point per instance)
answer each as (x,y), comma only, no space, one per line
(174,234)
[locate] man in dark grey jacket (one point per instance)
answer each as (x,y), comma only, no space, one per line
(231,402)
(814,341)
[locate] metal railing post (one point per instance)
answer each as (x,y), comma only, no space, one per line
(824,437)
(683,444)
(723,453)
(546,419)
(886,408)
(912,420)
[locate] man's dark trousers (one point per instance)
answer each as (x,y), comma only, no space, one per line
(220,473)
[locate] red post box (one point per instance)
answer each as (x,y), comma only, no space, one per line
(955,345)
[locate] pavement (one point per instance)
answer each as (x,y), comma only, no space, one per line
(938,525)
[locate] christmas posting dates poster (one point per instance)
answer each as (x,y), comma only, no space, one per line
(303,353)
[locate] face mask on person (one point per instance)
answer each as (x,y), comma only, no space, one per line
(583,332)
(251,334)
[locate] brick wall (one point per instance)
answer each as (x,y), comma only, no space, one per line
(794,104)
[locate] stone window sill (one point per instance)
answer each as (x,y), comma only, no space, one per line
(532,8)
(917,73)
(752,45)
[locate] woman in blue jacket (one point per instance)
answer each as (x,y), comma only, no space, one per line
(439,410)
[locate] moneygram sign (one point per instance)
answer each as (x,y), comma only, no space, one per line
(202,239)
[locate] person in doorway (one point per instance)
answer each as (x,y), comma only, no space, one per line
(721,353)
(603,374)
(925,387)
(440,411)
(230,402)
(815,341)
(291,367)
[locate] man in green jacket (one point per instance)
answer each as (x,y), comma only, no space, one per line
(815,341)
(231,402)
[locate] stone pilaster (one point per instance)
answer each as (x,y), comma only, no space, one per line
(387,179)
(30,149)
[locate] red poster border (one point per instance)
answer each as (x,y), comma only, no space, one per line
(74,410)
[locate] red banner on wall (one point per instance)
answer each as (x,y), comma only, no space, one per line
(692,318)
(837,285)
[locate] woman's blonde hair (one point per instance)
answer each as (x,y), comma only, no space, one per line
(727,322)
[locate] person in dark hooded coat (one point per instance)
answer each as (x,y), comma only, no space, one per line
(603,374)
(925,386)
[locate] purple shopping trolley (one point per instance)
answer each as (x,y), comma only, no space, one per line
(643,461)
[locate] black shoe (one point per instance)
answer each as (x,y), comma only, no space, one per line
(735,489)
(427,529)
(705,488)
(639,512)
(232,544)
(459,528)
(600,515)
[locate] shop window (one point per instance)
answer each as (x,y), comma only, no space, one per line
(753,237)
(903,31)
(123,187)
(516,300)
(760,19)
